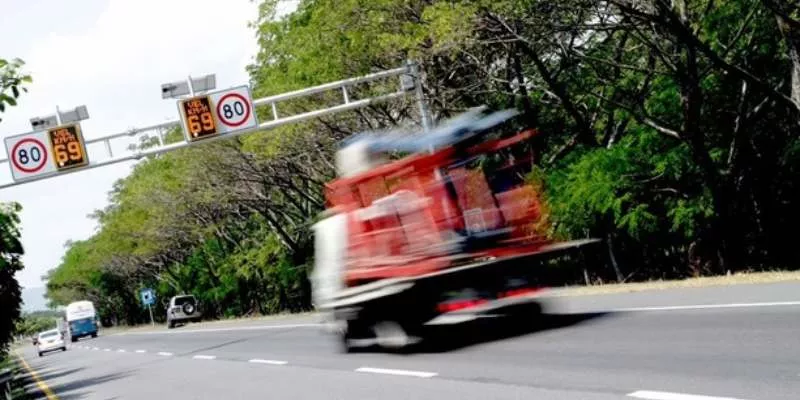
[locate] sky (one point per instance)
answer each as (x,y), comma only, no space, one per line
(112,56)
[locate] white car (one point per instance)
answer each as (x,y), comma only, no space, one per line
(182,309)
(49,341)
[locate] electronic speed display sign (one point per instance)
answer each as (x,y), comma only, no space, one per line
(68,149)
(46,152)
(218,113)
(197,115)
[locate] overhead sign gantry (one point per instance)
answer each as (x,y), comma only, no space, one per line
(55,145)
(51,151)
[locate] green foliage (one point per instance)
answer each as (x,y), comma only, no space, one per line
(677,146)
(10,263)
(12,82)
(31,324)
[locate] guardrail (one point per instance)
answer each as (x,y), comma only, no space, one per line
(6,376)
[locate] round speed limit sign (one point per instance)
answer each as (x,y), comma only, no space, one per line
(234,109)
(29,155)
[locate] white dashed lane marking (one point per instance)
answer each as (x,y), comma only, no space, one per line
(121,351)
(141,351)
(270,362)
(164,353)
(654,395)
(203,357)
(403,372)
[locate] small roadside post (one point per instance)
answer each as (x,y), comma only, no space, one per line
(149,298)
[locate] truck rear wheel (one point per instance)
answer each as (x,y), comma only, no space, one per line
(396,335)
(390,335)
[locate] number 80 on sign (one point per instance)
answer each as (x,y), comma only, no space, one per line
(218,113)
(47,152)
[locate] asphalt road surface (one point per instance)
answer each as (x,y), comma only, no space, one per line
(737,342)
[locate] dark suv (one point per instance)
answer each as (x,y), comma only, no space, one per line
(182,309)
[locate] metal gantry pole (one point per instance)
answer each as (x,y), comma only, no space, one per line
(424,113)
(58,116)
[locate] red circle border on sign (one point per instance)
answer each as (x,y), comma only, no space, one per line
(16,163)
(246,114)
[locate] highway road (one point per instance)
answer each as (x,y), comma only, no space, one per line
(736,342)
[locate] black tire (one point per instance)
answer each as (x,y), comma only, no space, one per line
(73,339)
(188,308)
(64,348)
(94,335)
(397,336)
(40,354)
(344,343)
(170,324)
(344,335)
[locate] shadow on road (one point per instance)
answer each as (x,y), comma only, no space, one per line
(74,389)
(517,322)
(49,376)
(450,338)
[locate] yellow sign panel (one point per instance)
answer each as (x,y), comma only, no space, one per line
(66,143)
(198,118)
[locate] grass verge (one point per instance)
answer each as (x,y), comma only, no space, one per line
(723,280)
(220,323)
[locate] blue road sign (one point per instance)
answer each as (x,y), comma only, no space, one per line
(148,296)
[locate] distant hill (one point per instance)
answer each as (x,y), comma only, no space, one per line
(33,299)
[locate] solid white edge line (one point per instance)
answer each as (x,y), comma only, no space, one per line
(708,306)
(141,351)
(106,349)
(95,348)
(655,395)
(121,351)
(164,353)
(270,362)
(203,357)
(403,372)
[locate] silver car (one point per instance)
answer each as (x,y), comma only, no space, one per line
(183,308)
(49,341)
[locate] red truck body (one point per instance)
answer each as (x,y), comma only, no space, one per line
(436,210)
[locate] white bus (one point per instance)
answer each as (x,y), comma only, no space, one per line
(81,320)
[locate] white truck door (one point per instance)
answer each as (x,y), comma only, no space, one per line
(330,250)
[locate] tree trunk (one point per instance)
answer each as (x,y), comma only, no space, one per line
(790,29)
(792,35)
(692,131)
(613,258)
